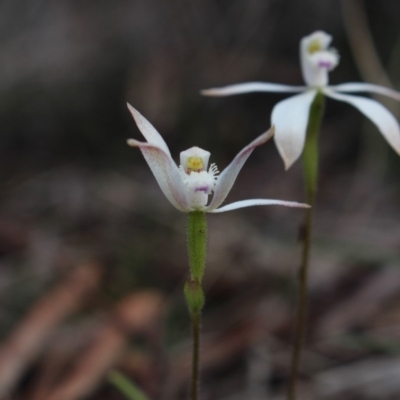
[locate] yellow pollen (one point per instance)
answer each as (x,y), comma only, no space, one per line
(194,164)
(314,46)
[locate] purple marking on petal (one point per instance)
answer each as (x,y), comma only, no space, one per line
(325,64)
(202,189)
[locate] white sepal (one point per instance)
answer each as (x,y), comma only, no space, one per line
(166,172)
(252,87)
(290,118)
(354,87)
(259,202)
(228,176)
(147,129)
(377,113)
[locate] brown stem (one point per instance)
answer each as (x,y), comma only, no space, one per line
(194,389)
(310,166)
(302,300)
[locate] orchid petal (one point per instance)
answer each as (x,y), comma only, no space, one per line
(228,176)
(148,130)
(377,113)
(251,87)
(259,202)
(166,173)
(290,118)
(353,87)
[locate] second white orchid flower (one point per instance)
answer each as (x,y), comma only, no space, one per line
(290,116)
(189,186)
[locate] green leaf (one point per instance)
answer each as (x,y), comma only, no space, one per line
(126,386)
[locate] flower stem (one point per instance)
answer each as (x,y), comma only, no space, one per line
(197,243)
(194,387)
(197,249)
(310,166)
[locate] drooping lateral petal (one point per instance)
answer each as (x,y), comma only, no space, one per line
(377,113)
(148,131)
(290,118)
(259,202)
(251,87)
(166,173)
(354,87)
(228,176)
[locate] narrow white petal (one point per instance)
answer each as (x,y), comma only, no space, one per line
(354,87)
(148,131)
(377,113)
(259,202)
(166,173)
(251,87)
(228,176)
(290,118)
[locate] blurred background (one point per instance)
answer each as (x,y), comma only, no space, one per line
(92,255)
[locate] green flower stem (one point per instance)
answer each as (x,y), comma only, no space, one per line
(197,248)
(197,243)
(310,153)
(310,166)
(126,386)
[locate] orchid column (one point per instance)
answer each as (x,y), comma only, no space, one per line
(297,121)
(188,188)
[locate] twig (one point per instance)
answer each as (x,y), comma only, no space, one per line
(135,314)
(27,340)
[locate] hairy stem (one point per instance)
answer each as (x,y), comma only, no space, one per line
(197,249)
(197,243)
(310,166)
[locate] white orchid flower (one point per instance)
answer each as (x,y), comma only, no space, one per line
(188,186)
(290,116)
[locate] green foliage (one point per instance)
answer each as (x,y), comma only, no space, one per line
(126,386)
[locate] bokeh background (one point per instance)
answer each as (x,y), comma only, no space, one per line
(93,257)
